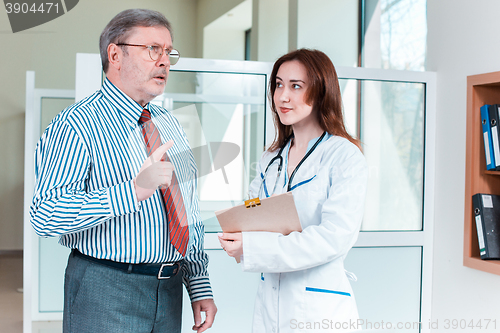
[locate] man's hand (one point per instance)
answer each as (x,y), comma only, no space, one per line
(207,306)
(154,174)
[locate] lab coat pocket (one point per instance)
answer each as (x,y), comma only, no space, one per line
(331,305)
(327,291)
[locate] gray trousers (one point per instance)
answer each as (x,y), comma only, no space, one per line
(102,299)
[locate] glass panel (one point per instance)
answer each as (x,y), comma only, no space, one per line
(392,133)
(52,258)
(387,287)
(349,90)
(223,115)
(234,292)
(395,34)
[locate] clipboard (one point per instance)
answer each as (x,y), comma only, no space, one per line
(275,214)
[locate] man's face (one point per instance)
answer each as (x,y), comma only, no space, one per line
(142,78)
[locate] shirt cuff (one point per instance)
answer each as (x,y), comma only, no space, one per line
(122,199)
(199,289)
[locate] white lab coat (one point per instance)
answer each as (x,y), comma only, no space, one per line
(304,286)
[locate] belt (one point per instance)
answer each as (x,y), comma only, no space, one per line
(161,271)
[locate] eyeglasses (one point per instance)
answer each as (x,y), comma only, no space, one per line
(156,51)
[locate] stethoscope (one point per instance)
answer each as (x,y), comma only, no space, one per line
(279,158)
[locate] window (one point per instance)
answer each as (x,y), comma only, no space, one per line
(394,34)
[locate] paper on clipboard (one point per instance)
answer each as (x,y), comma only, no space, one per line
(275,214)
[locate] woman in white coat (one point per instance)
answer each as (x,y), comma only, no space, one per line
(304,286)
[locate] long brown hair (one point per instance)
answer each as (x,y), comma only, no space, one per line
(323,94)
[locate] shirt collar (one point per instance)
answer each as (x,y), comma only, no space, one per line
(129,109)
(313,141)
(309,144)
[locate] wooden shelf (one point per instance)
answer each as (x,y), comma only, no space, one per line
(495,173)
(490,266)
(481,89)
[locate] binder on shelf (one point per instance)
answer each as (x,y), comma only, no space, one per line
(487,215)
(488,145)
(493,113)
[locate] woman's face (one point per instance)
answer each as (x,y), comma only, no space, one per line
(289,97)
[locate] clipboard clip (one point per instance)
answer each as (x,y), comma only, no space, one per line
(252,202)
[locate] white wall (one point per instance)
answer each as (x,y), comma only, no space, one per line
(372,57)
(272,20)
(462,40)
(224,38)
(330,26)
(315,19)
(207,12)
(224,44)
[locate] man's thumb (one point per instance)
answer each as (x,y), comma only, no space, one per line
(160,151)
(197,317)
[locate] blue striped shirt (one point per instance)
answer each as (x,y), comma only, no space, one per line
(85,163)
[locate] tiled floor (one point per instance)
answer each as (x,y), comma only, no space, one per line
(11,300)
(47,327)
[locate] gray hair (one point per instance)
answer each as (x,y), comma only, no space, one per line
(119,28)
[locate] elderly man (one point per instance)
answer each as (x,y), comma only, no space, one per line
(128,212)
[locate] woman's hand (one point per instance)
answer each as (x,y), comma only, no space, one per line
(232,243)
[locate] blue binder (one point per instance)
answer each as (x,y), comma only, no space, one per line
(488,143)
(493,113)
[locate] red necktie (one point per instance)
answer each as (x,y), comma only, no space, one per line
(178,229)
